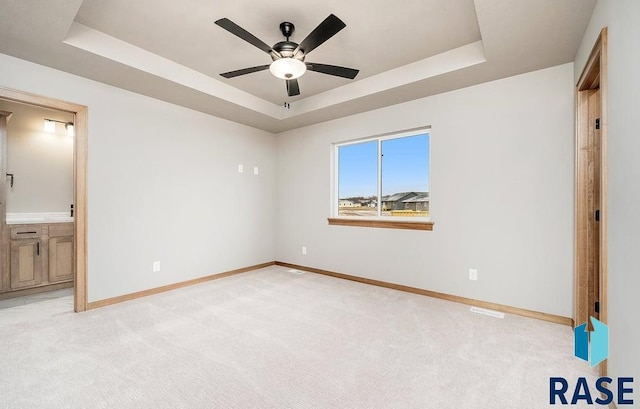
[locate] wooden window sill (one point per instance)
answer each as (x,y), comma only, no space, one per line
(382,224)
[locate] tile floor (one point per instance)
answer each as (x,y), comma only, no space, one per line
(35,307)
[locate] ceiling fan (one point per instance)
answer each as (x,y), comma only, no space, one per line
(289,57)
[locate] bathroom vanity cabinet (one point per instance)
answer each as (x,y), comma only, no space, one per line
(39,255)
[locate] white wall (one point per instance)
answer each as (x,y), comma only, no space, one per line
(42,163)
(163,185)
(502,195)
(622,17)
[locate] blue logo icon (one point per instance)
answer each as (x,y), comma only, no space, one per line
(599,338)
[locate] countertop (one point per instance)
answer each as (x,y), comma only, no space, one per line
(36,218)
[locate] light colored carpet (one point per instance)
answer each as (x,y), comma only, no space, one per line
(273,339)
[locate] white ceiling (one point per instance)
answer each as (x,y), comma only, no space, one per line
(173,50)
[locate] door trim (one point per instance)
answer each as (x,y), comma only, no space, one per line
(594,75)
(80,154)
(5,279)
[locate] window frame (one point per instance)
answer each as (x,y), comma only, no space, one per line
(378,221)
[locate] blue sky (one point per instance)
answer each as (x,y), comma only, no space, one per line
(405,167)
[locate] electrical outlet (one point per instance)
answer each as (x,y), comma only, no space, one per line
(304,249)
(240,169)
(473,274)
(156,266)
(256,170)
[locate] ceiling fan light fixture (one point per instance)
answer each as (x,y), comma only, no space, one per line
(287,68)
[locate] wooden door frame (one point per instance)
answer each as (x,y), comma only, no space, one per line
(79,183)
(594,75)
(5,273)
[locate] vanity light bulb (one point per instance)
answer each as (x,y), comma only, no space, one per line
(49,126)
(70,130)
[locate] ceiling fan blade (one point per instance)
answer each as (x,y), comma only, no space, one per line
(292,88)
(343,72)
(235,29)
(237,73)
(325,30)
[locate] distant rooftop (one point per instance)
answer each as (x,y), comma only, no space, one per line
(397,196)
(422,197)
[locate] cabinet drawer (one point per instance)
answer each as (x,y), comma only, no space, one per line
(63,229)
(26,232)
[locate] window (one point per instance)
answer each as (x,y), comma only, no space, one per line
(383,179)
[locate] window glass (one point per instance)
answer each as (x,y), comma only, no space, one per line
(358,179)
(405,175)
(384,177)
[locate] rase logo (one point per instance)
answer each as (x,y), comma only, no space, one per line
(593,347)
(599,342)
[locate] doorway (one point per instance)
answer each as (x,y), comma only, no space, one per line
(79,115)
(591,189)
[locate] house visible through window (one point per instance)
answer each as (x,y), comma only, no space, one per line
(384,177)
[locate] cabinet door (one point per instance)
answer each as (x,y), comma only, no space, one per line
(26,263)
(60,259)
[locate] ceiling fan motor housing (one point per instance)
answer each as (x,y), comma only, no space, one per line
(285,49)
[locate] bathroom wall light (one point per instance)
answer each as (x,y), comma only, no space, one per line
(50,126)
